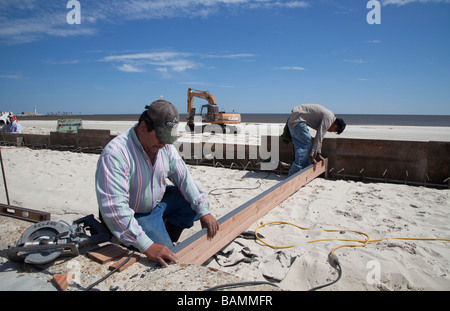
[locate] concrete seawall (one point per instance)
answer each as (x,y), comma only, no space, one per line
(410,162)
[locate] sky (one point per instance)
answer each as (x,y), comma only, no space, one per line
(254,56)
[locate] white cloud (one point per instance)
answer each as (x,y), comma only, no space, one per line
(12,76)
(128,68)
(292,68)
(268,4)
(156,56)
(357,61)
(23,21)
(230,56)
(403,2)
(163,61)
(30,20)
(293,4)
(167,61)
(16,31)
(61,62)
(179,65)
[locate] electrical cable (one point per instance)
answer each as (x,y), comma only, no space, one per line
(332,257)
(237,188)
(230,189)
(363,242)
(239,284)
(336,265)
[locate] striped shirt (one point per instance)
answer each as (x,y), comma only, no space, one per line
(127,183)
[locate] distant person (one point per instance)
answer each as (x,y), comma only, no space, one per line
(307,149)
(135,202)
(13,126)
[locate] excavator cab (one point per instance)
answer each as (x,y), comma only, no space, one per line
(209,113)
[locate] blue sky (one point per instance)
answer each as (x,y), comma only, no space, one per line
(254,56)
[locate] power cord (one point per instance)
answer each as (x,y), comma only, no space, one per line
(231,189)
(334,262)
(332,258)
(239,284)
(237,188)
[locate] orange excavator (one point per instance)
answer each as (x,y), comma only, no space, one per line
(210,112)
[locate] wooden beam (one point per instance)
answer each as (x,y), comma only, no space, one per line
(198,248)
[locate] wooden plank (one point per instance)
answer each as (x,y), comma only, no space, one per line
(61,281)
(133,259)
(23,213)
(107,253)
(198,248)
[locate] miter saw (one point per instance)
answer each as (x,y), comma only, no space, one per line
(47,240)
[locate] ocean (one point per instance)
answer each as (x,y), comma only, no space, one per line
(350,119)
(362,119)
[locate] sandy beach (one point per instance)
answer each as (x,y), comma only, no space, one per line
(251,131)
(62,183)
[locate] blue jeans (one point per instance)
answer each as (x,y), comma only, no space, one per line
(175,209)
(302,147)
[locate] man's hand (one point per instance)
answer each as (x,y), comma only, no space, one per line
(321,158)
(210,222)
(160,253)
(314,161)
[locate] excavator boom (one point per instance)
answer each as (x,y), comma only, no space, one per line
(210,112)
(200,94)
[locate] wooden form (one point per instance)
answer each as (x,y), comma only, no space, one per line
(198,248)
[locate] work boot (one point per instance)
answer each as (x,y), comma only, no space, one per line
(173,231)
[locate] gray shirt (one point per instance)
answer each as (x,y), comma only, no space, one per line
(316,117)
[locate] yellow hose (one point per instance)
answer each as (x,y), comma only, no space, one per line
(362,242)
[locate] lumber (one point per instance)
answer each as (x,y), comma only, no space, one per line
(198,248)
(133,259)
(61,280)
(107,253)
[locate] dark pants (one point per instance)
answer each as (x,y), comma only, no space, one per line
(174,210)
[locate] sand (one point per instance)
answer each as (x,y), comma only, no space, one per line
(62,183)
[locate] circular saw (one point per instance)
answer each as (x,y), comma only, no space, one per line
(45,241)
